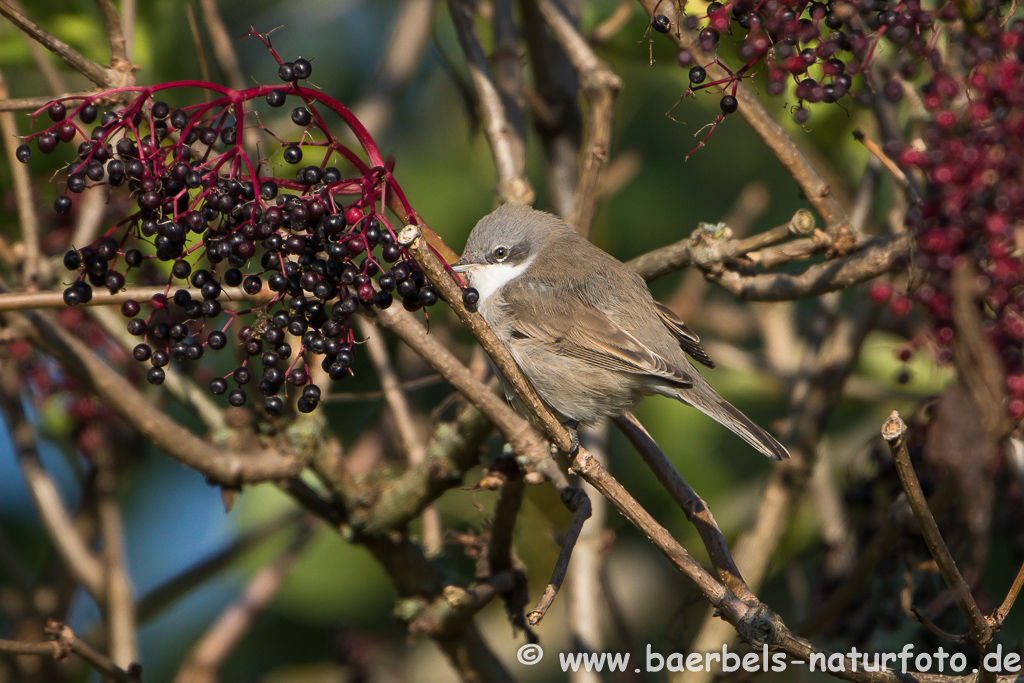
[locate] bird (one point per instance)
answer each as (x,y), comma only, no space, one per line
(583,327)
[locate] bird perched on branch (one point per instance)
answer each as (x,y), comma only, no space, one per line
(583,328)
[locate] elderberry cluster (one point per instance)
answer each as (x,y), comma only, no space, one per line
(297,253)
(818,47)
(970,155)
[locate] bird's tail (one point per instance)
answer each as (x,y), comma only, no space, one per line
(705,399)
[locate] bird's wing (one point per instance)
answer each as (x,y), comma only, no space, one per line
(591,336)
(688,339)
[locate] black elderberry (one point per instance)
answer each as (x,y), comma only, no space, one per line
(76,182)
(155,376)
(242,375)
(142,352)
(661,23)
(428,296)
(470,298)
(276,98)
(137,327)
(218,385)
(302,68)
(160,358)
(301,116)
(233,277)
(181,269)
(274,406)
(23,153)
(286,72)
(217,340)
(293,154)
(73,260)
(697,74)
(728,104)
(384,300)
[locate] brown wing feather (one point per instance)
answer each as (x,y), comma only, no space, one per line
(595,338)
(688,339)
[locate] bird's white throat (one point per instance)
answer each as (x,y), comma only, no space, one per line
(490,278)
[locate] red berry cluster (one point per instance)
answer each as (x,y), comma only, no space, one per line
(821,47)
(303,241)
(974,205)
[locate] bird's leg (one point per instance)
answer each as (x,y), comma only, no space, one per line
(574,437)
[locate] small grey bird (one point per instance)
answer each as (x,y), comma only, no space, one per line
(583,327)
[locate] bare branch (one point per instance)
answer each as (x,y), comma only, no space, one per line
(512,183)
(579,504)
(103,77)
(225,467)
(20,301)
(223,44)
(73,550)
(214,647)
(692,505)
(981,630)
(118,47)
(63,644)
(600,86)
(28,219)
(411,444)
(879,256)
(409,35)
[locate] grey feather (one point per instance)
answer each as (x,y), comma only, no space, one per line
(585,329)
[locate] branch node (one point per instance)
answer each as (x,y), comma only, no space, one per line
(760,626)
(894,428)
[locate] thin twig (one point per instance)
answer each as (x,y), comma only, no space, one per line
(107,79)
(410,34)
(22,301)
(197,40)
(1011,596)
(579,504)
(223,45)
(115,35)
(119,607)
(401,413)
(981,630)
(63,644)
(513,185)
(600,86)
(213,648)
(150,604)
(33,270)
(695,509)
(72,548)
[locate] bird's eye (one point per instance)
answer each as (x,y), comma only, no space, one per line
(501,253)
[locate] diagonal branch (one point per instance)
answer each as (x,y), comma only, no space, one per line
(513,185)
(893,432)
(224,467)
(108,79)
(600,87)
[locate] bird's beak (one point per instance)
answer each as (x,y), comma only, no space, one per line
(461,267)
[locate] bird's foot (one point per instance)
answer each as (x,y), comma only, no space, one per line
(574,437)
